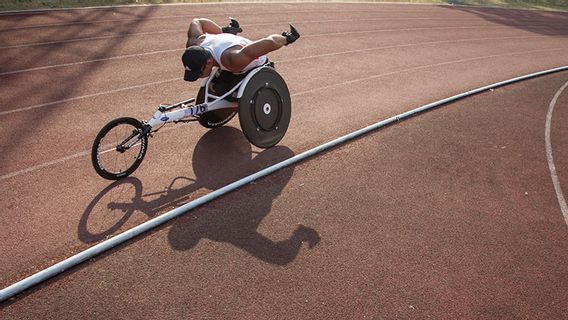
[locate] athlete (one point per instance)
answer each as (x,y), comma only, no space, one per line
(208,46)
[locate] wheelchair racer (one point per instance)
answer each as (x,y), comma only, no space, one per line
(208,46)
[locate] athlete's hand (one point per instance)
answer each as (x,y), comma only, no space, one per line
(233,27)
(291,36)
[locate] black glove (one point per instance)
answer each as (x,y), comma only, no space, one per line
(291,36)
(233,27)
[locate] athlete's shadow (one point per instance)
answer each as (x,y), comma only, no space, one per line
(235,218)
(220,157)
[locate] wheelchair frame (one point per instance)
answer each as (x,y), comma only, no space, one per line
(178,112)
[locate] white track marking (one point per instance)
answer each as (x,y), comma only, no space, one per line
(87,96)
(424,67)
(89,61)
(274,23)
(43,165)
(281,61)
(118,239)
(419,29)
(408,45)
(64,159)
(551,166)
(47,11)
(124,35)
(305,36)
(306,92)
(3,113)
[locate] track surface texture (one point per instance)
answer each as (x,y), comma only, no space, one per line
(451,214)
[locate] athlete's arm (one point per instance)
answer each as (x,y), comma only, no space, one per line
(237,58)
(198,27)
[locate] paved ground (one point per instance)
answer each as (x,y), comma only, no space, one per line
(448,215)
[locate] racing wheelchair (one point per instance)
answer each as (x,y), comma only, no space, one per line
(260,97)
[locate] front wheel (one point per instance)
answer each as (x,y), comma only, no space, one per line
(119,148)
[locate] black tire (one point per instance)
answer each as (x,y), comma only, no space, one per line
(216,118)
(107,145)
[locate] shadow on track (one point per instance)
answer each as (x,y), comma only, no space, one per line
(539,22)
(52,91)
(220,157)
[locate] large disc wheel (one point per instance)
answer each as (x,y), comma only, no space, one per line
(215,118)
(265,108)
(119,148)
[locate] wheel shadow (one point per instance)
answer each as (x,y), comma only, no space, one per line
(220,157)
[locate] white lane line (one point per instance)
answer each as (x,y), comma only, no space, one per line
(410,45)
(551,166)
(425,67)
(297,59)
(64,159)
(306,36)
(118,239)
(47,11)
(89,61)
(56,10)
(422,29)
(43,165)
(51,10)
(244,25)
(13,174)
(124,35)
(66,24)
(3,113)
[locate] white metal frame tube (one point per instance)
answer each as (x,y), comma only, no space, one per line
(184,111)
(58,268)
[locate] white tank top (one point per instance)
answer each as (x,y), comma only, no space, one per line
(218,43)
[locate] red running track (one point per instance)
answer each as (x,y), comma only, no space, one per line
(428,218)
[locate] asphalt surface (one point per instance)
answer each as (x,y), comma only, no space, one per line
(451,214)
